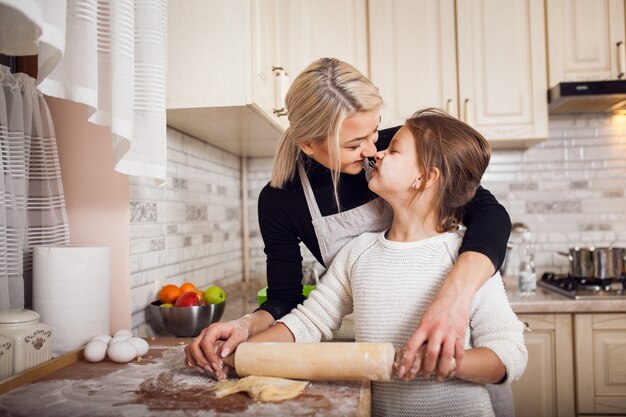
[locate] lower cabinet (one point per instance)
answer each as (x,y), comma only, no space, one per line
(547,387)
(600,363)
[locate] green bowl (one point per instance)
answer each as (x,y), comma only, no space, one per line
(262,294)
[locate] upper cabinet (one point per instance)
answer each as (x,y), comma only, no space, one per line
(229,63)
(221,83)
(482,61)
(413,56)
(586,40)
(312,29)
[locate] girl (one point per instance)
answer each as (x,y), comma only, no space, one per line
(431,169)
(319,196)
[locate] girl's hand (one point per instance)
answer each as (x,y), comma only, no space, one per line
(413,371)
(214,343)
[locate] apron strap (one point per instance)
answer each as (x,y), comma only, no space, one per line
(308,193)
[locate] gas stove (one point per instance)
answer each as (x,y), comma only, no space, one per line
(584,288)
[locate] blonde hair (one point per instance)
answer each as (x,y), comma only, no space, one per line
(459,152)
(318,101)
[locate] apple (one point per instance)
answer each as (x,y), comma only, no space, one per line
(188,299)
(214,295)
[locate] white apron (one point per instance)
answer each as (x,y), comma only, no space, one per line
(334,231)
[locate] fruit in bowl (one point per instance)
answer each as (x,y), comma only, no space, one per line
(189,299)
(214,295)
(187,314)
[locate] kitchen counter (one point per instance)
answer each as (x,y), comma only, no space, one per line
(547,301)
(158,385)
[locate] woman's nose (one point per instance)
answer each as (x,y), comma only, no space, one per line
(369,149)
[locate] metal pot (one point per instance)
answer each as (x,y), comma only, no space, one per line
(608,262)
(597,263)
(580,262)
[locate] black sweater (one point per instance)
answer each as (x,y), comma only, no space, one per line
(285,221)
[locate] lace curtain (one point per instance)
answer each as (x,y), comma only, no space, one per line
(108,54)
(32,206)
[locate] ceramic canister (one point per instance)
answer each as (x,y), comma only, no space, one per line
(31,340)
(6,357)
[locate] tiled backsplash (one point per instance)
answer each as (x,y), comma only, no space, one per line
(188,230)
(569,189)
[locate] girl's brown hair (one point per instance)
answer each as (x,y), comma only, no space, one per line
(459,152)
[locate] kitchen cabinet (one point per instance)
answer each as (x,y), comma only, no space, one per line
(312,29)
(601,363)
(585,40)
(543,390)
(221,83)
(482,61)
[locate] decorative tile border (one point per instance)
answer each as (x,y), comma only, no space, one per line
(143,211)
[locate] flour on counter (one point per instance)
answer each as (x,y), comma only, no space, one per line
(161,387)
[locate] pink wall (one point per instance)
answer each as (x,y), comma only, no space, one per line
(96,196)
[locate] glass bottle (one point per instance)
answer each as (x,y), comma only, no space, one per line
(527,273)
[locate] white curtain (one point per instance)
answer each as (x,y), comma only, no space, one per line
(32,206)
(107,54)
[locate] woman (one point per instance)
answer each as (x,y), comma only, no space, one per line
(319,196)
(431,170)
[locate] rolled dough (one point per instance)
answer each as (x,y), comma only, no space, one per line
(262,388)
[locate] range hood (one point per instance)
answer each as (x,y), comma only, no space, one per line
(587,97)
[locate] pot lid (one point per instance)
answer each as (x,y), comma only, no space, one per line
(18,316)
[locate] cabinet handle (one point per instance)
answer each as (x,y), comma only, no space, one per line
(527,327)
(621,59)
(281,85)
(467,108)
(449,106)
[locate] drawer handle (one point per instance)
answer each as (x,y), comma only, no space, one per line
(449,106)
(527,327)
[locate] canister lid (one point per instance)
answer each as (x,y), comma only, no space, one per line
(18,316)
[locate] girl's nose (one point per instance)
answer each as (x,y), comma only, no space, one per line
(379,155)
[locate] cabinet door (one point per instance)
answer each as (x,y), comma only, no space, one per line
(547,386)
(312,29)
(413,56)
(601,363)
(502,68)
(584,37)
(262,49)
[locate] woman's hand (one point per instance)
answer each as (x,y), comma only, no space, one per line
(437,345)
(446,320)
(214,343)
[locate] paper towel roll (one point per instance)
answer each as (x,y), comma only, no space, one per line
(71,290)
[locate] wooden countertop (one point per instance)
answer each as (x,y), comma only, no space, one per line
(158,385)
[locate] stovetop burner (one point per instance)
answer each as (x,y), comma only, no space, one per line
(584,288)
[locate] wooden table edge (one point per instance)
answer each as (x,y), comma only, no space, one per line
(39,371)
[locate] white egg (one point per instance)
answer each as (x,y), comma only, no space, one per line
(95,351)
(104,337)
(141,345)
(122,352)
(119,338)
(125,332)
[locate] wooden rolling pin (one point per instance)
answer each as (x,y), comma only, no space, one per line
(315,361)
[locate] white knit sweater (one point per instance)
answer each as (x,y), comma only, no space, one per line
(389,285)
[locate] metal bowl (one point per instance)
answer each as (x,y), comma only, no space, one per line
(186,321)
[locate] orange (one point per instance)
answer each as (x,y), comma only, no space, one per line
(169,293)
(188,287)
(200,293)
